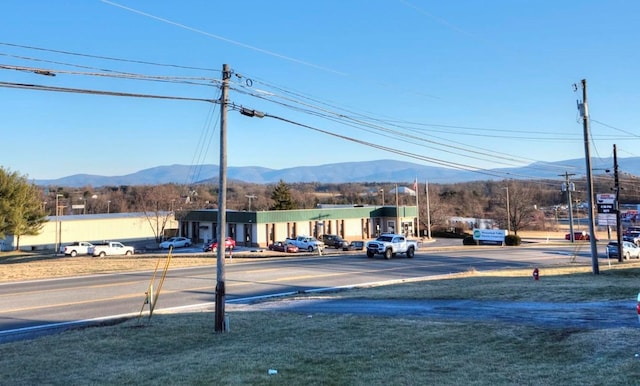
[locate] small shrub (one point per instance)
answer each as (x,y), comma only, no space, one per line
(469,240)
(512,240)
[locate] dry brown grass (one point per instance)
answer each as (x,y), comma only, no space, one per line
(29,266)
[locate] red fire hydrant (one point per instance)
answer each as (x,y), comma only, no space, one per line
(638,307)
(536,274)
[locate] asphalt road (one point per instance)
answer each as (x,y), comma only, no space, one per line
(34,306)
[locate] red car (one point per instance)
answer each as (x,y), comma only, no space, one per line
(584,236)
(229,243)
(279,246)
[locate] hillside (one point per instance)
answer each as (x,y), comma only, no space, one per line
(366,171)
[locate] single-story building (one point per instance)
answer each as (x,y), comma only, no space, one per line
(123,227)
(256,229)
(261,228)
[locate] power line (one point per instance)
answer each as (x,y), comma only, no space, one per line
(402,136)
(99,92)
(340,117)
(344,119)
(234,42)
(366,143)
(615,128)
(391,150)
(119,75)
(107,57)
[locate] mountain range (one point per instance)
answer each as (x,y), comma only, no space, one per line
(365,171)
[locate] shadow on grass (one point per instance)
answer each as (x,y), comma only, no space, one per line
(16,257)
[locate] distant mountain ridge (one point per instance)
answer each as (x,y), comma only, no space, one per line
(365,171)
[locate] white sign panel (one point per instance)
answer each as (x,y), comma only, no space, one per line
(607,211)
(608,219)
(606,198)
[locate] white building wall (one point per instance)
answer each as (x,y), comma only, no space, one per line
(280,231)
(353,229)
(117,226)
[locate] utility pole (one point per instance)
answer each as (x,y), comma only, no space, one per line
(587,155)
(616,189)
(426,190)
(58,225)
(417,208)
(222,206)
(398,229)
(250,197)
(569,187)
(508,212)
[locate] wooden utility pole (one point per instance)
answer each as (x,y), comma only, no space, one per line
(415,188)
(616,189)
(508,212)
(426,190)
(220,325)
(569,187)
(587,155)
(398,229)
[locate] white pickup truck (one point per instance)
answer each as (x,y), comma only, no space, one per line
(76,248)
(111,248)
(390,245)
(306,243)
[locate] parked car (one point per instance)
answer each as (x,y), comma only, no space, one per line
(632,229)
(584,236)
(632,237)
(334,241)
(355,246)
(175,242)
(306,243)
(76,248)
(280,246)
(229,243)
(629,250)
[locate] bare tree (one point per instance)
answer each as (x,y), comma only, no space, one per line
(521,204)
(156,203)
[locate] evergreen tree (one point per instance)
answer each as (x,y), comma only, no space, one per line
(282,197)
(21,212)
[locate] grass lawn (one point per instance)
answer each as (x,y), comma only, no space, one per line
(348,349)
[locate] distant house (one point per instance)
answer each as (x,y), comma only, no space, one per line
(472,222)
(403,190)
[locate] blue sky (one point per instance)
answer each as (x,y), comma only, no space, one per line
(464,84)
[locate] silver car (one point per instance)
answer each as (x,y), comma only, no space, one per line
(175,242)
(629,250)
